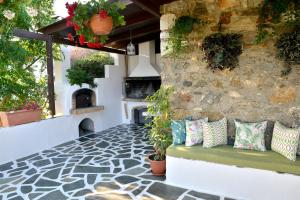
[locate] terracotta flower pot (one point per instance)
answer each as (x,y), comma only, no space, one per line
(1,1)
(20,117)
(101,26)
(158,167)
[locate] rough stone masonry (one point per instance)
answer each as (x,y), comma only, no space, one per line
(253,91)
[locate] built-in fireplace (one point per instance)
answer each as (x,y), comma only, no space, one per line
(141,87)
(83,98)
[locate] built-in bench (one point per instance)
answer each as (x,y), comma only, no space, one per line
(241,174)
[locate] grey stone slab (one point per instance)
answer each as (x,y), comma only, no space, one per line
(117,170)
(83,192)
(66,144)
(204,195)
(86,159)
(91,169)
(102,144)
(109,196)
(226,198)
(126,155)
(52,174)
(6,166)
(106,187)
(8,180)
(32,179)
(73,186)
(58,160)
(17,198)
(135,171)
(165,191)
(189,198)
(91,178)
(34,195)
(55,195)
(126,179)
(46,183)
(42,163)
(128,163)
(26,189)
(139,190)
(30,172)
(9,189)
(27,157)
(153,178)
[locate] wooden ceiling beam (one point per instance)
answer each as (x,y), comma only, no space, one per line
(105,48)
(148,6)
(135,33)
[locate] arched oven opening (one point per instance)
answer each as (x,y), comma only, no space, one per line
(86,127)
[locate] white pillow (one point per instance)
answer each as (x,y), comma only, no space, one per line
(194,131)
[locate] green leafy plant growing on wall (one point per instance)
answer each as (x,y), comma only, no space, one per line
(177,41)
(276,16)
(288,49)
(160,132)
(222,50)
(89,68)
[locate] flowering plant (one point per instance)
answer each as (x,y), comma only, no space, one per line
(80,15)
(30,106)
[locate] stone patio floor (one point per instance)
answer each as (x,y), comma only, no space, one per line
(107,165)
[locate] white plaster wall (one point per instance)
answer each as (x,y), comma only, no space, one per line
(232,181)
(133,62)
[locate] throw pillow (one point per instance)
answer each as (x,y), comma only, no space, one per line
(250,135)
(179,131)
(285,141)
(215,133)
(194,131)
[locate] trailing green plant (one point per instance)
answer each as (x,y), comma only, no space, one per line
(21,78)
(222,50)
(160,126)
(177,41)
(274,13)
(89,68)
(81,13)
(288,49)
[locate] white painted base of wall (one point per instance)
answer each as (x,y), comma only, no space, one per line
(231,181)
(23,140)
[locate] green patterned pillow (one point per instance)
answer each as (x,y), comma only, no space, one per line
(250,135)
(215,133)
(285,141)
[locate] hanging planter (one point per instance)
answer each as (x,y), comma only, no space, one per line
(94,21)
(101,26)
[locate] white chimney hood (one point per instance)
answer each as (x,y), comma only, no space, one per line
(146,61)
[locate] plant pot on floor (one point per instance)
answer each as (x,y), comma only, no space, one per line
(101,26)
(158,168)
(14,118)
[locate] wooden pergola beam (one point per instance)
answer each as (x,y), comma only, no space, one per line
(49,43)
(148,6)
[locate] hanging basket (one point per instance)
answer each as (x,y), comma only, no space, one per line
(101,26)
(1,1)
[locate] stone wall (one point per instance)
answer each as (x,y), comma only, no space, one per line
(253,91)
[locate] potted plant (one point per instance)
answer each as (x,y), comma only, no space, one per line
(160,129)
(30,112)
(93,21)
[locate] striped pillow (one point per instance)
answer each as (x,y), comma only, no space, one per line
(215,133)
(285,141)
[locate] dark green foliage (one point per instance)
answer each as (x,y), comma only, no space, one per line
(288,47)
(273,12)
(89,68)
(222,50)
(160,127)
(183,26)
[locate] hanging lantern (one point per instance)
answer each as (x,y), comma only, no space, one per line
(131,47)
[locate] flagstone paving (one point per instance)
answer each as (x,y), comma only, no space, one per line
(107,165)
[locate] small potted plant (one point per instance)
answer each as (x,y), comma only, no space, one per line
(93,21)
(160,129)
(30,112)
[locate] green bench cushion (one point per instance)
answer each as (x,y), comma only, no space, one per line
(227,155)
